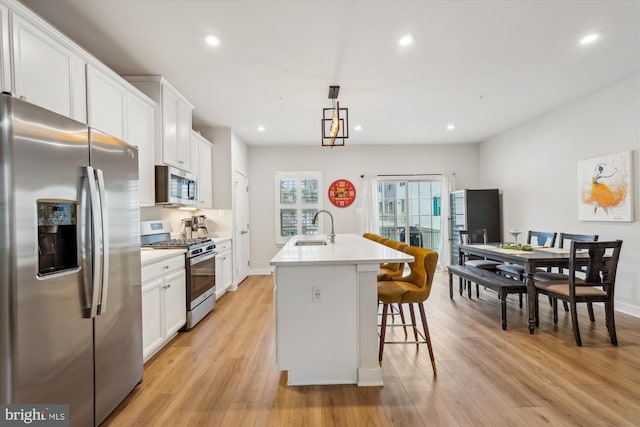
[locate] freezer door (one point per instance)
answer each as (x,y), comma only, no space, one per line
(50,346)
(118,325)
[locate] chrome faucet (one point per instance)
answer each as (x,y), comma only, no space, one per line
(332,236)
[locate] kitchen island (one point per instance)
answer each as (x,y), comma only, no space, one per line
(326,301)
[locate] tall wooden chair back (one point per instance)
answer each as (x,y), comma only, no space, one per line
(473,236)
(565,238)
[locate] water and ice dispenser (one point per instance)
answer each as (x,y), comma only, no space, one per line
(57,237)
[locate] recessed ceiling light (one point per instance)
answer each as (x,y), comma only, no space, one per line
(406,40)
(212,40)
(357,127)
(451,126)
(590,38)
(260,128)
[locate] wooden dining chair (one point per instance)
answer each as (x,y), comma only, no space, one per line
(565,239)
(476,236)
(597,286)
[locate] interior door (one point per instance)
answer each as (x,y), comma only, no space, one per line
(241,239)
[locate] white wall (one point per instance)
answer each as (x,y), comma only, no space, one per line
(535,167)
(343,162)
(218,221)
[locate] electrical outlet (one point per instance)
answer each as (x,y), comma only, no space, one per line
(316,294)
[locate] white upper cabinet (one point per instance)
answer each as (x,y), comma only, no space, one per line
(46,71)
(5,50)
(177,113)
(140,131)
(170,128)
(173,121)
(201,159)
(106,103)
(120,110)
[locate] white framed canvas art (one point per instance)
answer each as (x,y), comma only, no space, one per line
(605,188)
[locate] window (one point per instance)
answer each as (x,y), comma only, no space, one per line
(297,201)
(409,211)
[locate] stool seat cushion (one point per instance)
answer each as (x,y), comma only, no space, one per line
(391,292)
(398,291)
(513,269)
(563,289)
(483,263)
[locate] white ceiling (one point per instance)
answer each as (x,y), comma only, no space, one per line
(484,65)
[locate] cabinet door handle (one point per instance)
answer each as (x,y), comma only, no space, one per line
(181,162)
(166,267)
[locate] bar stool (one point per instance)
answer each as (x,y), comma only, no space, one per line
(411,289)
(390,271)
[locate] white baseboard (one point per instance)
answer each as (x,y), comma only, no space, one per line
(261,271)
(632,310)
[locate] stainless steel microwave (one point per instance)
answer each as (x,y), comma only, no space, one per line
(175,187)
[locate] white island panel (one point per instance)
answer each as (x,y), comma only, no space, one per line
(304,326)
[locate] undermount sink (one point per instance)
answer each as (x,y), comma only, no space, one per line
(311,242)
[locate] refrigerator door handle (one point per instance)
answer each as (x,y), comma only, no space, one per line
(102,191)
(95,220)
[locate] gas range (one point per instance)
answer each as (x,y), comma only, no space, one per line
(194,246)
(200,266)
(156,234)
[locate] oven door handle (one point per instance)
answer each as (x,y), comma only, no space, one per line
(200,258)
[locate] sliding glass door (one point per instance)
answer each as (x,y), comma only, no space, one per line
(409,211)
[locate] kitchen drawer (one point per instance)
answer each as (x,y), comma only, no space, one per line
(224,246)
(161,268)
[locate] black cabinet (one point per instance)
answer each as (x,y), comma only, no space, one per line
(472,210)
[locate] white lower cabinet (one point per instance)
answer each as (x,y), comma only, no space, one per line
(163,303)
(224,268)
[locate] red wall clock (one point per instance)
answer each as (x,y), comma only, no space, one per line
(342,193)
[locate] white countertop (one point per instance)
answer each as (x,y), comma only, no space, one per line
(219,240)
(348,249)
(150,255)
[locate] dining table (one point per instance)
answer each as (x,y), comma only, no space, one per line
(531,259)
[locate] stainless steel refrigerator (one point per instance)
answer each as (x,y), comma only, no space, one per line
(70,301)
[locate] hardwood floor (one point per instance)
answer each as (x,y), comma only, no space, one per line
(223,373)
